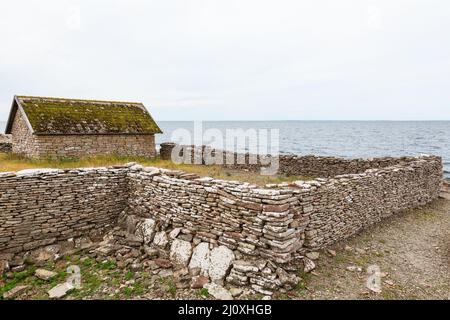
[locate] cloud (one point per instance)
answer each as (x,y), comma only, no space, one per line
(211,59)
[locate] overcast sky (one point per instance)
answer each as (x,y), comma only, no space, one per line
(234,59)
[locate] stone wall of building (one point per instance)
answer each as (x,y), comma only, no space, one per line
(23,141)
(5,143)
(39,207)
(91,145)
(28,144)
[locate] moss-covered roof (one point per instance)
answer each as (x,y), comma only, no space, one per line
(73,116)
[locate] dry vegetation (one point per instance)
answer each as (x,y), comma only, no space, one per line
(10,163)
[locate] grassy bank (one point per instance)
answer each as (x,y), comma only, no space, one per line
(10,162)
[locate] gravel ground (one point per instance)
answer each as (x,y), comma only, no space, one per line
(411,250)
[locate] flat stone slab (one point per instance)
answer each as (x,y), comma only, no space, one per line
(14,292)
(180,252)
(60,290)
(218,292)
(45,274)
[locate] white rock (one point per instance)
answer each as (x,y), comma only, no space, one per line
(218,292)
(180,252)
(221,259)
(353,268)
(33,172)
(313,255)
(309,265)
(44,274)
(60,290)
(201,258)
(146,230)
(174,233)
(331,252)
(236,291)
(160,239)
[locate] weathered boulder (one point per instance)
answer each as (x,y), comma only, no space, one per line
(180,252)
(145,229)
(201,258)
(221,259)
(160,239)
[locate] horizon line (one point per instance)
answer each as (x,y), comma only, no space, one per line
(310,120)
(302,120)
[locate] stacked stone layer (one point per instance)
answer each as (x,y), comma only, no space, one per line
(40,207)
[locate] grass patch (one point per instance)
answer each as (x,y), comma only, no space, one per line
(10,163)
(169,285)
(204,293)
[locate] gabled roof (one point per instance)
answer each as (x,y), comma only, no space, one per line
(57,116)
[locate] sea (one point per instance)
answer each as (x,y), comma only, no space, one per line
(348,139)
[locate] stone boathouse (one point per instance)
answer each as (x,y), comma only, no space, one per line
(56,127)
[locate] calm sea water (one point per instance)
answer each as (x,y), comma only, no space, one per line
(341,138)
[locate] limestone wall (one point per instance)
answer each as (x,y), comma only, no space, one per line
(340,207)
(271,222)
(39,207)
(289,164)
(276,222)
(243,217)
(228,231)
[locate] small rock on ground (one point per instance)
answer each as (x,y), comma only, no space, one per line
(14,292)
(218,292)
(44,274)
(60,290)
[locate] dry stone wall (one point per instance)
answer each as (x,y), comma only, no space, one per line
(289,164)
(340,207)
(241,216)
(40,207)
(225,231)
